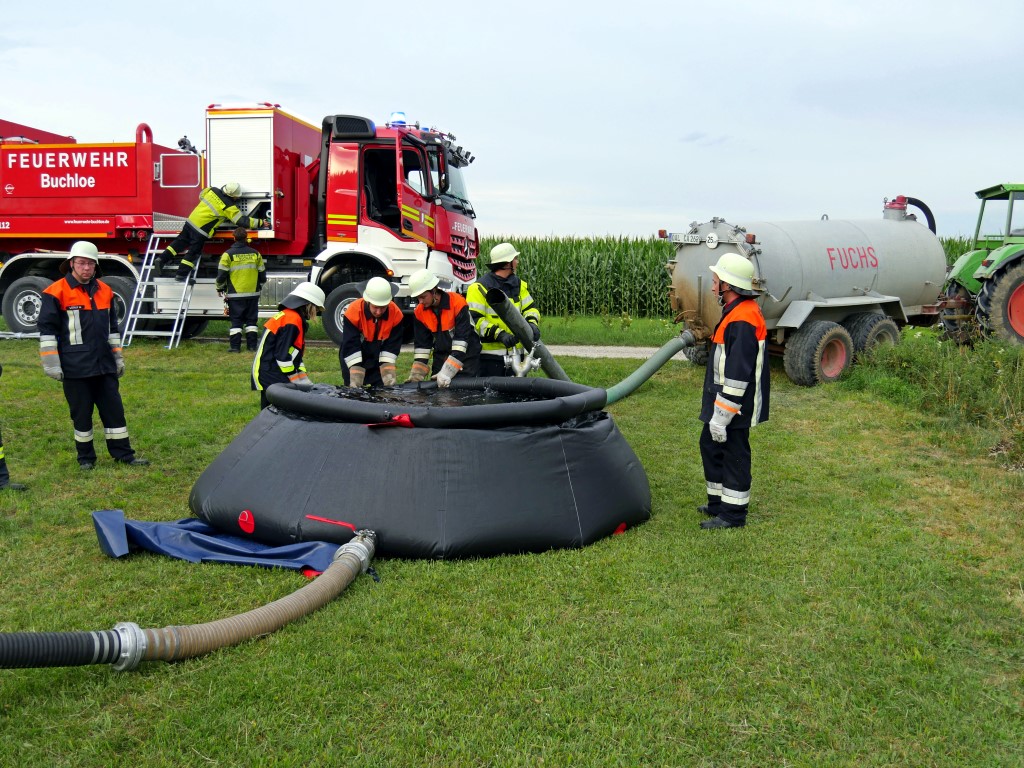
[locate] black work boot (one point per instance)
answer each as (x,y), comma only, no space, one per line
(250,341)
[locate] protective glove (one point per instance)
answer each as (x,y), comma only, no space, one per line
(356,376)
(536,331)
(303,384)
(51,367)
(448,371)
(119,362)
(506,339)
(419,371)
(266,224)
(723,414)
(388,374)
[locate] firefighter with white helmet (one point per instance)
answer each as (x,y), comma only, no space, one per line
(217,206)
(278,357)
(441,324)
(372,337)
(495,336)
(736,392)
(80,346)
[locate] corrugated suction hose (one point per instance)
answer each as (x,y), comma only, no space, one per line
(127,644)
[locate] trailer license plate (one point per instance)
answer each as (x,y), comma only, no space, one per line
(689,239)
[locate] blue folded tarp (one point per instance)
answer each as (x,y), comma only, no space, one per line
(195,541)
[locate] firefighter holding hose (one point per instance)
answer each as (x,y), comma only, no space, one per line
(496,337)
(736,389)
(442,325)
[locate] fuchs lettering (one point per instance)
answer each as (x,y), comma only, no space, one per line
(855,257)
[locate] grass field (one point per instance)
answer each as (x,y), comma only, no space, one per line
(869,614)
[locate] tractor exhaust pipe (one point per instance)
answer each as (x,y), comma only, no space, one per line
(513,318)
(127,644)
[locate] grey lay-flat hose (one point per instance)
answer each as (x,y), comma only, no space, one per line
(127,644)
(513,318)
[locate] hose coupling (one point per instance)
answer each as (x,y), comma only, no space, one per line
(133,646)
(362,546)
(687,338)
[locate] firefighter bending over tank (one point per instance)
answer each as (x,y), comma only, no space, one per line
(496,337)
(217,206)
(240,276)
(372,337)
(279,355)
(441,324)
(736,389)
(80,346)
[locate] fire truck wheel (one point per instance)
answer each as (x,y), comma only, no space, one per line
(334,309)
(819,352)
(124,290)
(22,302)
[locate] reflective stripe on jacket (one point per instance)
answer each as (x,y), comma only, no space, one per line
(486,321)
(279,355)
(77,323)
(738,369)
(214,209)
(241,272)
(447,329)
(368,341)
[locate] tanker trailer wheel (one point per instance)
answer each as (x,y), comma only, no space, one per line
(334,309)
(22,302)
(870,328)
(1006,305)
(818,353)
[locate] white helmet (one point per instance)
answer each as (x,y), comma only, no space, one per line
(304,293)
(232,189)
(85,250)
(378,292)
(422,281)
(503,253)
(737,271)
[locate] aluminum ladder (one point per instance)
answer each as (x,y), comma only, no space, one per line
(146,292)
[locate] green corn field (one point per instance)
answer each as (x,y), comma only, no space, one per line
(608,276)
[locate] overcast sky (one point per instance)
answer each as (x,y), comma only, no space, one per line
(587,118)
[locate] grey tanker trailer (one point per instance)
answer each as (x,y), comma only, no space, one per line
(829,288)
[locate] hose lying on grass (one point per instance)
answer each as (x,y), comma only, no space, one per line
(127,644)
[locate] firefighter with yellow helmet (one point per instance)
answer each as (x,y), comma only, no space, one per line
(736,390)
(495,336)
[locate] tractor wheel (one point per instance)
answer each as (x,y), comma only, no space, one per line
(959,325)
(1006,305)
(22,302)
(870,328)
(818,353)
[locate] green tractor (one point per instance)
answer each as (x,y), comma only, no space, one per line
(984,291)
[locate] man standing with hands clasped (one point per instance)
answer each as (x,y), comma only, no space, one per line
(736,388)
(80,346)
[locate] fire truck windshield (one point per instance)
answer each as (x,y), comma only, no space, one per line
(457,194)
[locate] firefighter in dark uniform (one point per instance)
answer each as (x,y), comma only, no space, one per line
(372,337)
(736,389)
(496,337)
(279,354)
(217,206)
(80,346)
(240,276)
(442,325)
(5,476)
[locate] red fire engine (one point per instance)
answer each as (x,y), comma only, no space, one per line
(347,200)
